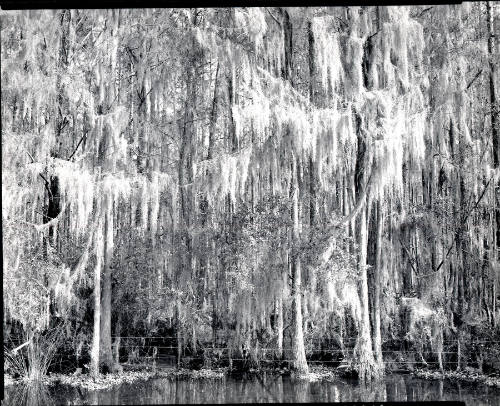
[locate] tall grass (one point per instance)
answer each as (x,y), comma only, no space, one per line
(33,360)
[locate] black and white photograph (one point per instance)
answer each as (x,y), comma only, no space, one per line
(251,204)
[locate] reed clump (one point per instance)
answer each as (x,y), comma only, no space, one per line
(31,360)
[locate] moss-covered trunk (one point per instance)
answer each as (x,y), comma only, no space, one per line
(299,362)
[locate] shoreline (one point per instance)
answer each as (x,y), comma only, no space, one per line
(463,376)
(107,381)
(316,374)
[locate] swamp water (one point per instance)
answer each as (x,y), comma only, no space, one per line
(252,389)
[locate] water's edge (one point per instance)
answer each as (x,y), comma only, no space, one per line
(316,374)
(209,386)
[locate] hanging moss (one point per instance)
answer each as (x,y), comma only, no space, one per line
(174,170)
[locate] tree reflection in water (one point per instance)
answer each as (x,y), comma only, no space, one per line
(253,389)
(31,393)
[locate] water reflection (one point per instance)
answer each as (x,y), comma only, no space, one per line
(262,389)
(33,393)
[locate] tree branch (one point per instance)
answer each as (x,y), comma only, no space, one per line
(474,79)
(79,142)
(371,36)
(31,157)
(15,350)
(408,254)
(53,222)
(274,18)
(424,11)
(461,225)
(40,174)
(46,184)
(359,205)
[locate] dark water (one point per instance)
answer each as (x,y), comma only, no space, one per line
(270,388)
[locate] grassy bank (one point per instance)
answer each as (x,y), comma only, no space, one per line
(106,381)
(468,375)
(144,373)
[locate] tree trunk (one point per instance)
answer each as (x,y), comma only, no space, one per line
(298,356)
(367,369)
(106,355)
(102,355)
(116,347)
(299,362)
(53,207)
(312,63)
(186,176)
(377,338)
(288,43)
(96,334)
(279,326)
(214,309)
(96,337)
(213,116)
(312,98)
(232,124)
(440,350)
(495,134)
(179,334)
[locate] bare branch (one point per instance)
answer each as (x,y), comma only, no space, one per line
(461,225)
(274,18)
(53,222)
(46,184)
(31,157)
(15,350)
(411,259)
(359,205)
(474,79)
(79,142)
(424,11)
